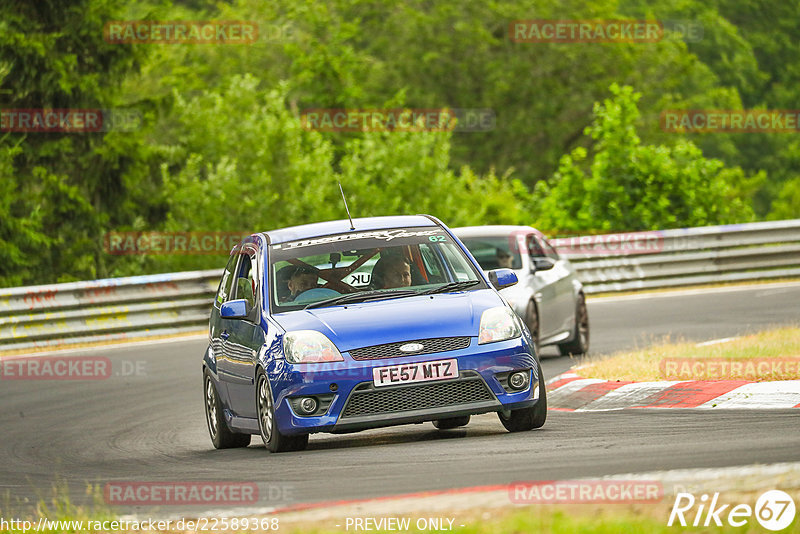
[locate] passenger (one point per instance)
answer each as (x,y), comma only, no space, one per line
(390,272)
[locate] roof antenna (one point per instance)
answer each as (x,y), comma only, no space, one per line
(352,226)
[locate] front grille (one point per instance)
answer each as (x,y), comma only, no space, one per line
(369,400)
(392,350)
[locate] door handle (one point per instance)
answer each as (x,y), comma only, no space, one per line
(225,335)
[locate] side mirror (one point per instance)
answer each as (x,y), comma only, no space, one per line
(542,263)
(235,309)
(502,278)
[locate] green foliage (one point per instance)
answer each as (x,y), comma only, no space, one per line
(62,189)
(221,147)
(787,204)
(360,53)
(751,47)
(250,166)
(626,185)
(20,224)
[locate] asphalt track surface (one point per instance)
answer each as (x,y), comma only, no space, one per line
(150,426)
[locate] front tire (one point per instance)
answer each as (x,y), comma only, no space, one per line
(528,418)
(273,439)
(451,422)
(221,436)
(579,345)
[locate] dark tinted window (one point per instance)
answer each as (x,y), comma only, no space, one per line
(494,252)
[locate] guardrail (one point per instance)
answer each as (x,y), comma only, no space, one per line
(141,306)
(685,256)
(116,308)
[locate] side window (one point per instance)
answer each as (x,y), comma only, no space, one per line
(245,280)
(534,248)
(549,251)
(226,285)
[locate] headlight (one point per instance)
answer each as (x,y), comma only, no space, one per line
(498,324)
(309,346)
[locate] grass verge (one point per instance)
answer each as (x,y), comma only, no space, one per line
(478,518)
(763,356)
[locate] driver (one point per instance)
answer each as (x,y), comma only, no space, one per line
(302,279)
(504,259)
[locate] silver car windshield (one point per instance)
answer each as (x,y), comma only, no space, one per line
(360,266)
(495,252)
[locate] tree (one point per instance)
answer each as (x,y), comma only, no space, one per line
(250,165)
(625,185)
(787,203)
(62,189)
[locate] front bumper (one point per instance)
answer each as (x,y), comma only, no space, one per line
(358,404)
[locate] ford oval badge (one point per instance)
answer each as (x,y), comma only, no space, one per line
(412,347)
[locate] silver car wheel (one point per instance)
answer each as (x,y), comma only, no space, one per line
(583,325)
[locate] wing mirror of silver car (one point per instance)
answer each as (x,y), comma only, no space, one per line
(542,263)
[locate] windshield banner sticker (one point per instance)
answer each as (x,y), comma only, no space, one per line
(385,235)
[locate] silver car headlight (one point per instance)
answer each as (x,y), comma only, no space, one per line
(498,324)
(309,346)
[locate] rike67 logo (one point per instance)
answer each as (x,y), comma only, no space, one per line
(774,510)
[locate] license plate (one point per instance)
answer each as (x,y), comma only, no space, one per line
(415,372)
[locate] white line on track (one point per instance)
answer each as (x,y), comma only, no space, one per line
(716,341)
(687,292)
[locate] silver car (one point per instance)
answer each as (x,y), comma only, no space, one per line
(548,297)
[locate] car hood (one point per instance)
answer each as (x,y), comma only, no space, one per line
(401,319)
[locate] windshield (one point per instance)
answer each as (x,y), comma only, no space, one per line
(494,252)
(360,266)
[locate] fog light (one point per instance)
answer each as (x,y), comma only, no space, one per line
(308,405)
(518,380)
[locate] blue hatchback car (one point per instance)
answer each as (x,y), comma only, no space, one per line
(340,327)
